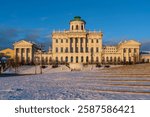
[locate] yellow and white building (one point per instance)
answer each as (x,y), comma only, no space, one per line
(9,53)
(78,45)
(24,51)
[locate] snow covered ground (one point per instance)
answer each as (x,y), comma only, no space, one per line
(121,82)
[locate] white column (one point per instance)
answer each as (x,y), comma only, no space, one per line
(83,45)
(79,44)
(127,55)
(69,45)
(73,44)
(25,55)
(31,59)
(20,54)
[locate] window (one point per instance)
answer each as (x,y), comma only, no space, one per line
(71,49)
(72,59)
(114,59)
(92,41)
(77,27)
(56,40)
(97,59)
(66,59)
(110,59)
(81,49)
(76,40)
(72,27)
(92,50)
(81,40)
(61,59)
(87,49)
(87,59)
(107,59)
(82,59)
(76,49)
(82,27)
(61,49)
(66,40)
(76,59)
(61,40)
(97,49)
(66,50)
(56,49)
(97,41)
(118,59)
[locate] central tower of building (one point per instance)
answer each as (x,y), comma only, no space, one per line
(77,24)
(77,45)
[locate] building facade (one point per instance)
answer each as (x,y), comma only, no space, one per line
(78,45)
(25,51)
(124,52)
(145,58)
(9,53)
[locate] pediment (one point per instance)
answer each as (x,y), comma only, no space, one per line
(23,42)
(131,42)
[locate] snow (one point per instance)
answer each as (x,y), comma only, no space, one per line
(115,83)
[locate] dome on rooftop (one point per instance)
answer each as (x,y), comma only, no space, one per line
(78,18)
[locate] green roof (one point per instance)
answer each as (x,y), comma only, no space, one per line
(77,18)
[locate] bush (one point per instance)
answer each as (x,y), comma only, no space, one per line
(98,65)
(54,65)
(107,66)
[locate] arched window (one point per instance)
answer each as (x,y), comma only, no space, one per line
(97,59)
(118,59)
(71,59)
(77,27)
(72,27)
(66,59)
(110,59)
(82,59)
(61,59)
(87,59)
(107,59)
(82,27)
(115,59)
(76,59)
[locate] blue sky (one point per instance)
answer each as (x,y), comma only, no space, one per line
(35,19)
